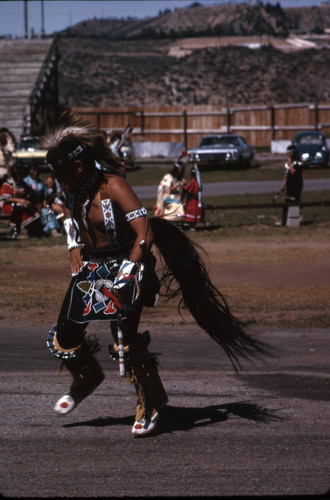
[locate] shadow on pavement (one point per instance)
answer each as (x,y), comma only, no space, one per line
(175,418)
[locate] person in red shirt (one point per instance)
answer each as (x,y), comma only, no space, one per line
(13,194)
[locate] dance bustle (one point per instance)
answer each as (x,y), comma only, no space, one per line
(206,304)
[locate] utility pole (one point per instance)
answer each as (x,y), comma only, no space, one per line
(26,27)
(43,34)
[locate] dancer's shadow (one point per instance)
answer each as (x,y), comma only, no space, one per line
(175,418)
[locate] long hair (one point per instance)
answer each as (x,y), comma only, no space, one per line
(7,140)
(8,144)
(72,130)
(207,305)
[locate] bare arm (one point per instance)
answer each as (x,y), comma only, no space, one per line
(21,201)
(283,184)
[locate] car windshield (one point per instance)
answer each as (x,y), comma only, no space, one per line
(316,140)
(219,141)
(28,144)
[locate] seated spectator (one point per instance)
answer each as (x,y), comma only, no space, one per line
(55,203)
(13,195)
(169,195)
(38,191)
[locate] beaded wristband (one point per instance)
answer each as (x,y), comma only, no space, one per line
(75,246)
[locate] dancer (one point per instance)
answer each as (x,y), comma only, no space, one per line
(109,241)
(113,275)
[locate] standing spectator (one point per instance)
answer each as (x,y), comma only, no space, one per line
(169,203)
(293,180)
(115,141)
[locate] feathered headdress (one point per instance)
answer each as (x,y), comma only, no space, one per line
(75,138)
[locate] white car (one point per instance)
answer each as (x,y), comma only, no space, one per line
(222,149)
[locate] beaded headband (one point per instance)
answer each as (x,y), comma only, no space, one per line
(59,157)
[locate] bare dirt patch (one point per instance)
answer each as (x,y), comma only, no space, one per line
(272,283)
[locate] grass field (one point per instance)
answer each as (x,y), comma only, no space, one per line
(262,169)
(239,221)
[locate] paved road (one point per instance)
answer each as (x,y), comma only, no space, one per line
(261,432)
(230,188)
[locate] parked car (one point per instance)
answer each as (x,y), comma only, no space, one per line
(222,149)
(312,148)
(29,152)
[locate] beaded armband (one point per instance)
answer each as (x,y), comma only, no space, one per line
(135,214)
(72,236)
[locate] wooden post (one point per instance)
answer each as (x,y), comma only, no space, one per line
(272,122)
(316,116)
(55,78)
(43,34)
(185,137)
(228,120)
(142,122)
(26,21)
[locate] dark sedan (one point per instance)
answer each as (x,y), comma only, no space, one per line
(222,149)
(312,148)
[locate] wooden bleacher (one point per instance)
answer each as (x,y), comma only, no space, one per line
(21,68)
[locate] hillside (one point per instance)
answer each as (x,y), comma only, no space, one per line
(152,62)
(220,20)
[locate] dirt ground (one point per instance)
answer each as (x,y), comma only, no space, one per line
(270,281)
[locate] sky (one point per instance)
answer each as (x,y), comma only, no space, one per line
(61,14)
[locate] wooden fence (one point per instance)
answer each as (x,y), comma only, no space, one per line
(259,125)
